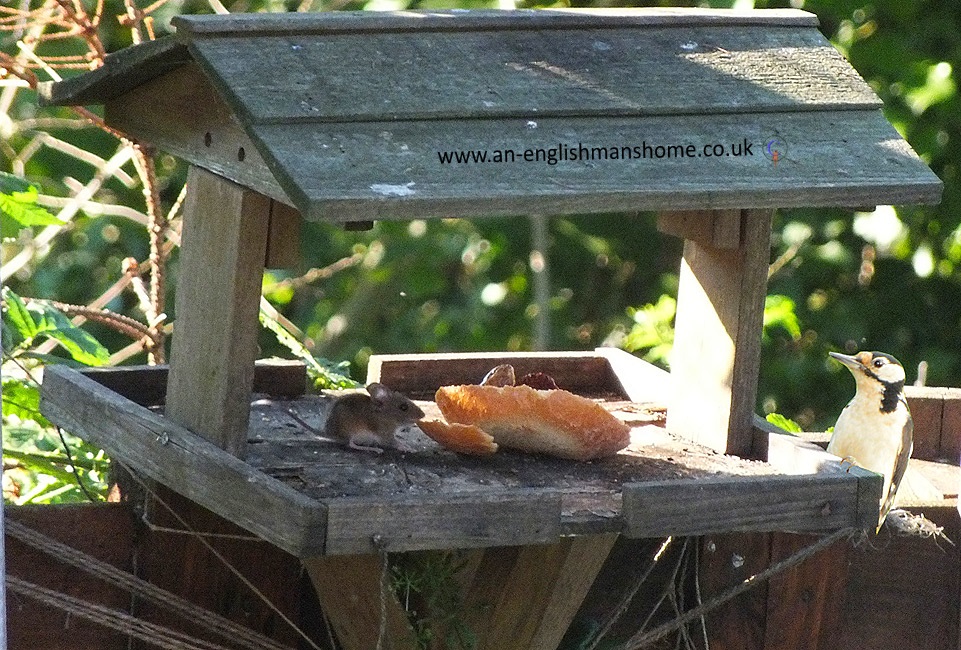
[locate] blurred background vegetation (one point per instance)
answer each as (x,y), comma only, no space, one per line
(77,223)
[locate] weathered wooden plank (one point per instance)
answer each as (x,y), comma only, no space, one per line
(457,19)
(951,426)
(155,447)
(802,601)
(121,72)
(351,593)
(716,356)
(640,381)
(147,385)
(381,170)
(493,573)
(283,237)
(511,73)
(927,410)
(727,560)
(104,531)
(937,422)
(526,597)
(791,454)
(717,228)
(795,456)
(420,375)
(207,135)
(222,256)
(748,504)
(583,561)
(184,565)
(919,580)
(442,521)
(521,597)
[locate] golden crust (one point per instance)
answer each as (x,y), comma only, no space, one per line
(460,438)
(554,422)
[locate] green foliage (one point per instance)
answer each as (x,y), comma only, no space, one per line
(40,464)
(779,312)
(323,373)
(22,399)
(427,584)
(887,280)
(653,330)
(24,326)
(18,207)
(38,469)
(784,423)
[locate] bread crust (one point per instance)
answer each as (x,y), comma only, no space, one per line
(554,422)
(461,438)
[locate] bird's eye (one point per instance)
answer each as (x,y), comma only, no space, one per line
(878,362)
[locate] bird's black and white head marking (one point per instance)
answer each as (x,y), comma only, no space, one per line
(878,371)
(884,368)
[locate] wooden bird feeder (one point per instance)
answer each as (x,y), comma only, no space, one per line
(710,118)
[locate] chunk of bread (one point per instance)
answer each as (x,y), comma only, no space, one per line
(554,422)
(460,438)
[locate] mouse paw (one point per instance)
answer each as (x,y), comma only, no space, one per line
(359,447)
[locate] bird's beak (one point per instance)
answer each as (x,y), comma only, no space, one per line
(848,360)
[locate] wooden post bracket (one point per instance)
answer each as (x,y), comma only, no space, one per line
(720,309)
(218,296)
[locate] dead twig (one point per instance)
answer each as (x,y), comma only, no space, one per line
(118,322)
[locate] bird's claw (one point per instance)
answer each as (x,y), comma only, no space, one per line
(850,462)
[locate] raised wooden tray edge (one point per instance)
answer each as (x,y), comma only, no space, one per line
(813,495)
(181,460)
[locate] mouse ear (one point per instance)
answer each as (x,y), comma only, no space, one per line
(378,391)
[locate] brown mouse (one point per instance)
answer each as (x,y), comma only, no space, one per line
(369,422)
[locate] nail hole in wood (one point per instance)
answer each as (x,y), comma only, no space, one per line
(207,139)
(241,154)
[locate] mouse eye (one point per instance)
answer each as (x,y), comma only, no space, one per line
(404,407)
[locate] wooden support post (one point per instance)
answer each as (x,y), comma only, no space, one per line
(515,596)
(720,309)
(222,255)
(350,592)
(717,228)
(283,237)
(527,596)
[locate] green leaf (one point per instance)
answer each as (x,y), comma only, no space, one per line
(43,320)
(19,210)
(325,373)
(779,311)
(82,347)
(18,317)
(10,184)
(22,400)
(783,422)
(938,87)
(46,359)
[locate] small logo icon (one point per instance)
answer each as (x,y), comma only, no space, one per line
(775,149)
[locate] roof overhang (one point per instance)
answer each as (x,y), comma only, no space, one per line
(362,115)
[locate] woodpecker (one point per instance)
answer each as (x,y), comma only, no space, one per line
(875,430)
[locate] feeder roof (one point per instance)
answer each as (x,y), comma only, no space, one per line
(362,115)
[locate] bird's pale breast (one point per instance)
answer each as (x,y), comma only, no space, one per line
(858,437)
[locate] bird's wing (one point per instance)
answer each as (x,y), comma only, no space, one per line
(900,466)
